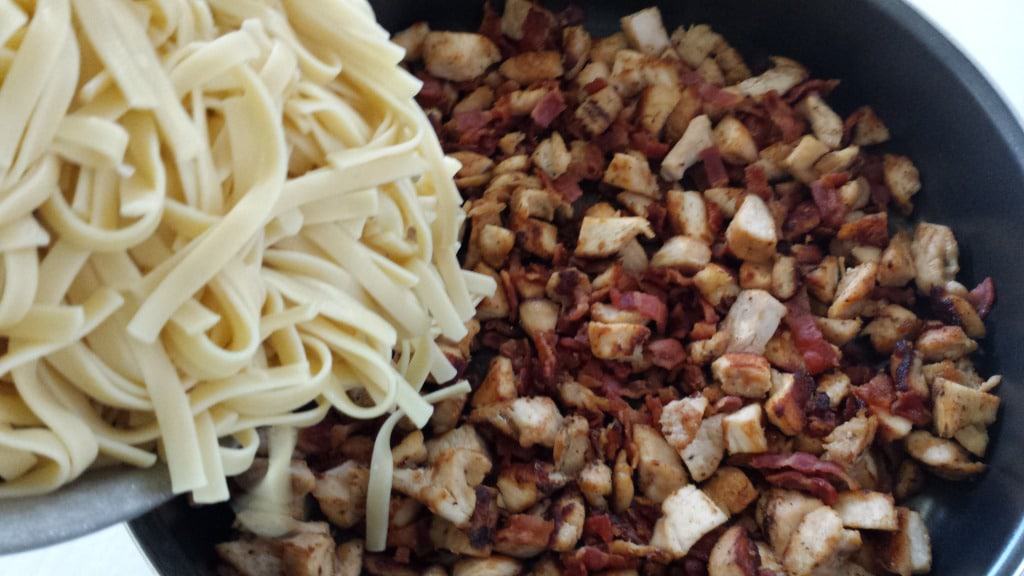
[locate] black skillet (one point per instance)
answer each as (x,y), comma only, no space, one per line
(970,150)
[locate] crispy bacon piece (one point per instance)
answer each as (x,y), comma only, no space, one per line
(595,86)
(648,305)
(714,167)
(830,205)
(878,392)
(538,30)
(783,117)
(650,146)
(913,407)
(983,297)
(801,220)
(813,485)
(819,356)
(807,464)
(549,108)
(599,526)
(590,559)
(667,353)
(757,182)
(819,85)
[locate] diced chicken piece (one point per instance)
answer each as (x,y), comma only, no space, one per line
(622,483)
(785,278)
(780,512)
(824,279)
(837,331)
(732,64)
(758,276)
(475,170)
(533,420)
(687,515)
(782,353)
(716,285)
(496,305)
(752,321)
(835,385)
(616,341)
(601,237)
(741,374)
(645,31)
(637,204)
(855,194)
(945,343)
(688,214)
(892,324)
(492,566)
(785,407)
(734,554)
(572,445)
(256,557)
(686,152)
(965,313)
(349,558)
(680,421)
(689,106)
(459,56)
(464,437)
(703,455)
(533,203)
(552,156)
(529,67)
(704,352)
(309,552)
(853,291)
(819,537)
(943,457)
(411,40)
(731,489)
(660,471)
(751,235)
(837,161)
(826,124)
(633,173)
(783,75)
(341,493)
(600,109)
(519,492)
(576,43)
(845,444)
(772,159)
(683,253)
(802,159)
(744,431)
(410,450)
(903,180)
(480,99)
(696,44)
(956,406)
(513,19)
(444,535)
(910,478)
(448,486)
(608,314)
(727,200)
(569,514)
(734,141)
(595,482)
(523,102)
(869,129)
(866,510)
(605,49)
(627,72)
(896,267)
(539,238)
(495,244)
(656,105)
(892,427)
(936,256)
(592,72)
(711,73)
(537,316)
(908,550)
(974,438)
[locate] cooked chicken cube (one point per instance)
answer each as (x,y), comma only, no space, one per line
(529,67)
(853,291)
(956,406)
(945,343)
(533,420)
(616,341)
(785,407)
(866,510)
(936,256)
(744,431)
(974,438)
(464,437)
(780,513)
(660,471)
(731,489)
(783,75)
(459,56)
(633,173)
(687,515)
(552,156)
(896,267)
(704,352)
(695,44)
(903,180)
(570,514)
(758,276)
(410,450)
(256,557)
(826,124)
(523,102)
(495,244)
(495,565)
(341,493)
(804,156)
(533,203)
(734,141)
(513,19)
(601,237)
(539,238)
(480,99)
(845,444)
(733,554)
(595,482)
(716,285)
(600,109)
(688,214)
(576,42)
(703,455)
(349,558)
(785,278)
(608,314)
(835,385)
(752,321)
(656,105)
(627,72)
(751,235)
(782,353)
(892,324)
(645,31)
(908,550)
(837,331)
(943,457)
(817,540)
(686,152)
(740,374)
(518,490)
(622,483)
(824,279)
(411,40)
(683,253)
(689,107)
(572,444)
(838,161)
(680,420)
(448,486)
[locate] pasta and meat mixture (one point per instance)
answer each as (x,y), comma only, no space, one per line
(711,352)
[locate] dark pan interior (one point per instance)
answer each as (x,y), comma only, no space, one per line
(969,149)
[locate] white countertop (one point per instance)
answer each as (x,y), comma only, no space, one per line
(989,31)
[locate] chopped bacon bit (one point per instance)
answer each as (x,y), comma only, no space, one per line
(615,138)
(599,526)
(801,220)
(589,559)
(813,485)
(783,117)
(714,167)
(703,331)
(549,107)
(821,420)
(667,353)
(904,355)
(983,297)
(538,30)
(913,407)
(484,519)
(526,530)
(877,392)
(571,15)
(720,100)
(650,146)
(757,182)
(807,254)
(822,87)
(851,122)
(808,464)
(595,86)
(819,356)
(432,93)
(568,186)
(728,404)
(829,204)
(716,219)
(648,305)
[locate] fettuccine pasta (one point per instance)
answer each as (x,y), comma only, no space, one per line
(215,216)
